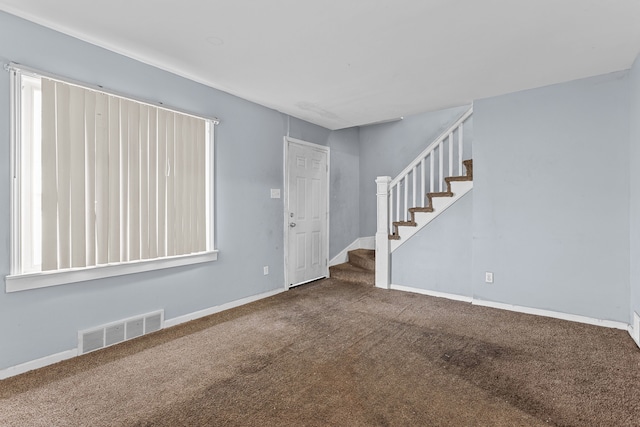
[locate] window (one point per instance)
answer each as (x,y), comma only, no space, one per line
(104,185)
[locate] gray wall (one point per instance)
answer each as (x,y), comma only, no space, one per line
(634,159)
(551,197)
(439,257)
(386,149)
(249,161)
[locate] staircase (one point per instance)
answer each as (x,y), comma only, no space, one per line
(359,269)
(432,182)
(432,205)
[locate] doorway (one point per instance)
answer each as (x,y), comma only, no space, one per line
(306,212)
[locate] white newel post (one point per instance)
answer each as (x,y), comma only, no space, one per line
(382,233)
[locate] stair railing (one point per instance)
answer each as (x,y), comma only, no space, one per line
(426,173)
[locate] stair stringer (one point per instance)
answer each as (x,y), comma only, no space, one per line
(439,204)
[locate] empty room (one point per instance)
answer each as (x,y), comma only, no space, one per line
(293,213)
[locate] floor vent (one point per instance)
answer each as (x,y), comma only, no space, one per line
(116,332)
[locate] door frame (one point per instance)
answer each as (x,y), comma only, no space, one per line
(327,150)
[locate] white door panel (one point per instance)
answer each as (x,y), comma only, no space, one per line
(307,179)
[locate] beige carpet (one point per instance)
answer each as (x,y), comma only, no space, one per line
(338,354)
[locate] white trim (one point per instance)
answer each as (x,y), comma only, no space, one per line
(554,314)
(37,363)
(15,135)
(287,139)
(436,294)
(359,243)
(218,308)
(210,186)
(634,328)
(22,282)
(68,354)
(521,309)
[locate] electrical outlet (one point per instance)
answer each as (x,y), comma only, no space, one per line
(488,277)
(265,269)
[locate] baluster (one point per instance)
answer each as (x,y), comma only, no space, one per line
(413,186)
(431,172)
(441,165)
(390,222)
(460,148)
(398,201)
(422,183)
(451,154)
(406,196)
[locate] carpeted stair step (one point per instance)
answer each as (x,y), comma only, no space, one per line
(427,209)
(350,273)
(359,269)
(363,258)
(439,194)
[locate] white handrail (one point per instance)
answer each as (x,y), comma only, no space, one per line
(431,147)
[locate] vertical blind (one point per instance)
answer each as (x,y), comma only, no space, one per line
(121,180)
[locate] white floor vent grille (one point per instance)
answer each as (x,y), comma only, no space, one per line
(122,330)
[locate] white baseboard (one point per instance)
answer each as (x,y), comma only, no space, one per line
(454,297)
(633,330)
(38,363)
(555,314)
(359,243)
(218,308)
(59,357)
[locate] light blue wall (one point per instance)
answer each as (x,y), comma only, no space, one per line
(249,161)
(634,160)
(386,149)
(551,197)
(439,257)
(345,187)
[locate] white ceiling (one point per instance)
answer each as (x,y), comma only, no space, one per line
(342,63)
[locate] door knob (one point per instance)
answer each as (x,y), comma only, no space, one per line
(292,224)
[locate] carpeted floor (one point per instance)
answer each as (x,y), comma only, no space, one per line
(337,354)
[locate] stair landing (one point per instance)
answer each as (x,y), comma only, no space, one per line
(359,269)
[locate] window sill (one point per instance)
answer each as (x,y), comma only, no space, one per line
(23,282)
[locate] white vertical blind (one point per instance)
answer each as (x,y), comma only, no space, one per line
(49,186)
(102,178)
(122,181)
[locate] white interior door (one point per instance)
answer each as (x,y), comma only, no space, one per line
(306,210)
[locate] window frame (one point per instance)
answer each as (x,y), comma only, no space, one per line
(18,280)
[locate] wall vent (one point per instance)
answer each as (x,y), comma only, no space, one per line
(119,331)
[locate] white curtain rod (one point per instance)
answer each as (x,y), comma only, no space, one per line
(14,66)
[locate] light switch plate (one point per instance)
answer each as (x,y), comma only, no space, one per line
(275,193)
